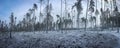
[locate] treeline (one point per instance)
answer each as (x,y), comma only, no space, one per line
(3,26)
(109,17)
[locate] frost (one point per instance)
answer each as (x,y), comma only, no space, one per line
(56,39)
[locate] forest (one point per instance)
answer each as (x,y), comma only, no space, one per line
(63,24)
(108,16)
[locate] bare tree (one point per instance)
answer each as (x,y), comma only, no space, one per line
(84,20)
(48,10)
(114,4)
(91,9)
(41,3)
(34,16)
(111,11)
(28,18)
(86,14)
(96,12)
(58,22)
(11,24)
(116,11)
(79,8)
(102,14)
(117,14)
(0,26)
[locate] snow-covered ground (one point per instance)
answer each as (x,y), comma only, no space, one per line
(61,39)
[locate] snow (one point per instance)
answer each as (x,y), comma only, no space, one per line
(61,39)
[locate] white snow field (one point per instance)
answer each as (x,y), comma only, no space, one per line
(61,39)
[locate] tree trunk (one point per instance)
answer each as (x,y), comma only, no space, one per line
(10,33)
(111,13)
(11,29)
(96,15)
(117,25)
(101,21)
(86,15)
(33,19)
(40,11)
(47,16)
(78,20)
(91,20)
(66,11)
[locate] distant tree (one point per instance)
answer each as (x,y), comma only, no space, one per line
(28,18)
(35,6)
(37,26)
(106,1)
(91,9)
(6,27)
(91,6)
(86,14)
(111,11)
(101,18)
(79,8)
(117,14)
(107,15)
(107,12)
(84,20)
(0,26)
(66,12)
(23,24)
(48,10)
(57,22)
(11,23)
(73,17)
(30,15)
(3,26)
(93,20)
(49,17)
(15,20)
(102,14)
(34,15)
(19,26)
(41,3)
(68,22)
(114,3)
(96,12)
(48,21)
(104,18)
(30,11)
